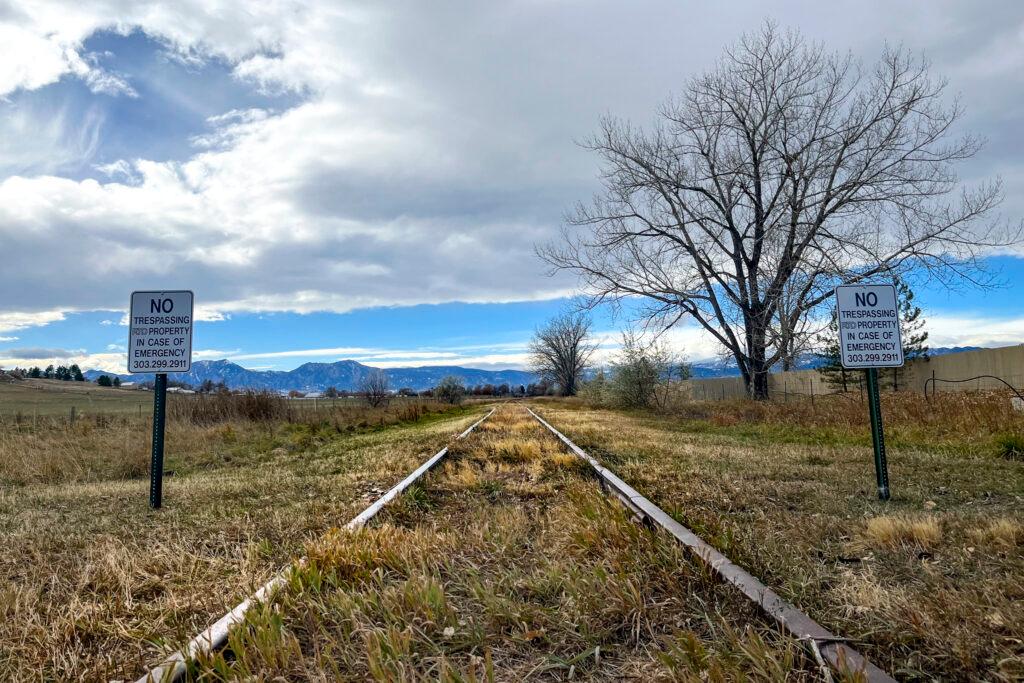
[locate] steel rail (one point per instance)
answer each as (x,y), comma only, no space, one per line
(216,636)
(821,642)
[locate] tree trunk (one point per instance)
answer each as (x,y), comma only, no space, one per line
(758,388)
(756,377)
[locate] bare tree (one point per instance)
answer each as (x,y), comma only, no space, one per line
(784,171)
(374,387)
(561,351)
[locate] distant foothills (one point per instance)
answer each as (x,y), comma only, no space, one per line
(345,375)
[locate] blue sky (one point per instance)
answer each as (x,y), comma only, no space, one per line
(353,181)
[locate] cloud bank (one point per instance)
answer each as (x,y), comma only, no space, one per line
(431,147)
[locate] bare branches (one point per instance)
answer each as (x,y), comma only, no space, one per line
(561,351)
(779,174)
(374,388)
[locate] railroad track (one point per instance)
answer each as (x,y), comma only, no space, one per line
(831,652)
(215,637)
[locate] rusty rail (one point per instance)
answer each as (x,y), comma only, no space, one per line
(216,636)
(821,642)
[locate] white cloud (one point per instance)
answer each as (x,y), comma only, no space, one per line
(432,149)
(968,330)
(110,362)
(15,320)
(8,339)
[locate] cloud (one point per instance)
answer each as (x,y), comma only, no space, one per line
(33,352)
(8,339)
(17,320)
(109,362)
(968,330)
(431,148)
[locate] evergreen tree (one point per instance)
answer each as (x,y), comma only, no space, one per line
(832,370)
(35,372)
(104,381)
(117,381)
(48,373)
(911,329)
(76,373)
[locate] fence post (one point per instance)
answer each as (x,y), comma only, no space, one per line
(785,391)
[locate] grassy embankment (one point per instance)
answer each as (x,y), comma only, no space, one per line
(928,585)
(506,564)
(96,585)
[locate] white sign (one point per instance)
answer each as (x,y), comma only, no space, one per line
(869,326)
(160,332)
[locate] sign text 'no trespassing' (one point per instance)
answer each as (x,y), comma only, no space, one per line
(869,326)
(160,332)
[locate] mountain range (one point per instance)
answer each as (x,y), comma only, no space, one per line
(344,375)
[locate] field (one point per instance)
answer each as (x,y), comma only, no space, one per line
(507,562)
(928,586)
(31,398)
(95,582)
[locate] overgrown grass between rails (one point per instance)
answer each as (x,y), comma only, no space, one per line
(505,564)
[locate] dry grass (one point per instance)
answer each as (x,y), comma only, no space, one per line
(97,586)
(928,585)
(970,422)
(1002,534)
(202,432)
(894,531)
(504,569)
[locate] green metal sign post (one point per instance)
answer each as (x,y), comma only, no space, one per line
(159,342)
(877,435)
(156,465)
(870,338)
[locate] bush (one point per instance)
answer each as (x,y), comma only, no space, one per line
(450,390)
(642,377)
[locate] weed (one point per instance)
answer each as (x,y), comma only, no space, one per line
(1010,446)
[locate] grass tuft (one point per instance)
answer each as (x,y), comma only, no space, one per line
(1010,446)
(893,532)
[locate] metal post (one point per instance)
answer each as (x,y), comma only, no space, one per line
(877,436)
(156,467)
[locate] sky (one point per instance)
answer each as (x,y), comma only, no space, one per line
(369,180)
